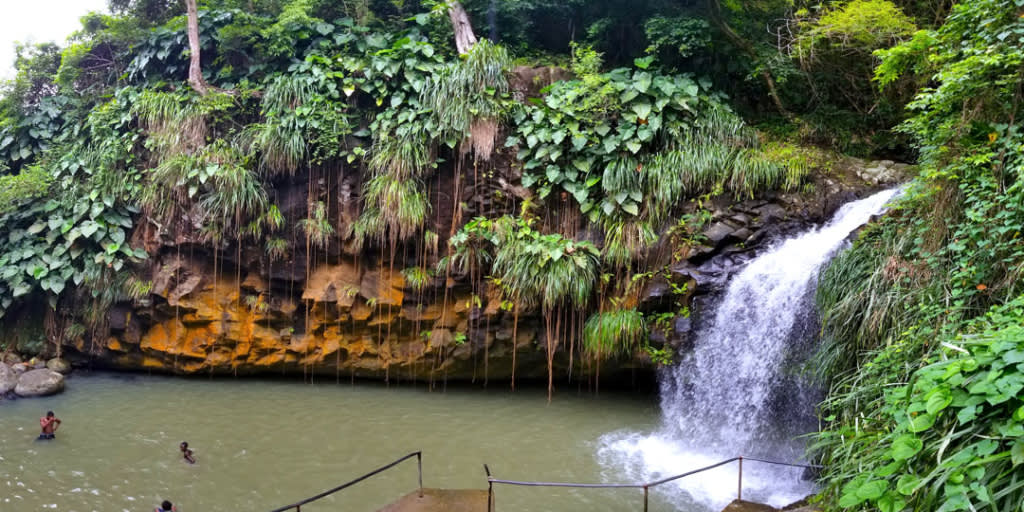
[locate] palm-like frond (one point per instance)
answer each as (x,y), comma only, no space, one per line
(626,240)
(402,157)
(317,227)
(175,122)
(546,270)
(615,332)
(465,96)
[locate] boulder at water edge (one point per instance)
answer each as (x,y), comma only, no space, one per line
(8,379)
(59,365)
(39,383)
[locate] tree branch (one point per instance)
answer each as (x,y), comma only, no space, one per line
(195,71)
(715,12)
(464,36)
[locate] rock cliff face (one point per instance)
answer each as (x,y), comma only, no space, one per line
(346,313)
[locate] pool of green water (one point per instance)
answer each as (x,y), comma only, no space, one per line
(263,444)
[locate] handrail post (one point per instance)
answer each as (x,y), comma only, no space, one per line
(645,498)
(419,465)
(739,487)
(490,489)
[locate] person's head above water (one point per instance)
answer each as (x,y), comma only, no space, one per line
(166,505)
(49,414)
(184,445)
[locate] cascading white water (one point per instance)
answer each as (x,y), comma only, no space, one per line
(731,395)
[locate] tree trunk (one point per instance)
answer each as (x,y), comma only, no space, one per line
(464,36)
(195,72)
(715,11)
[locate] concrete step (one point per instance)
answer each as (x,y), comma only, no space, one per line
(750,506)
(441,500)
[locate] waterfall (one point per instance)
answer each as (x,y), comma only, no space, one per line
(733,393)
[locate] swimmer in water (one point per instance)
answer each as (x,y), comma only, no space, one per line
(185,452)
(166,506)
(48,424)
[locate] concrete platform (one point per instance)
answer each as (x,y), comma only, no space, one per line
(748,506)
(441,500)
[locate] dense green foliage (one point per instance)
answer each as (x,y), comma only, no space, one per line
(922,339)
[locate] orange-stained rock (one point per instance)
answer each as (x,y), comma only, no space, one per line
(360,311)
(371,330)
(254,282)
(334,283)
(112,344)
(383,286)
(420,312)
(385,316)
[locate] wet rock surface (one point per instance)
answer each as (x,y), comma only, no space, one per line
(59,365)
(343,313)
(41,382)
(8,379)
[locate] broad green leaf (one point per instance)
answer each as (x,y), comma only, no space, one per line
(21,289)
(323,28)
(644,133)
(905,447)
(642,81)
(117,235)
(906,484)
(872,490)
(582,164)
(967,414)
(850,500)
(631,208)
(938,399)
(921,422)
(891,503)
(580,194)
(88,228)
(56,285)
(643,63)
(1014,356)
(889,469)
(633,146)
(553,173)
(642,109)
(1017,452)
(608,207)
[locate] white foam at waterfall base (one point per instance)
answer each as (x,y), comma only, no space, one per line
(731,395)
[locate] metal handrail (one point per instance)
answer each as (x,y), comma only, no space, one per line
(643,485)
(419,462)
